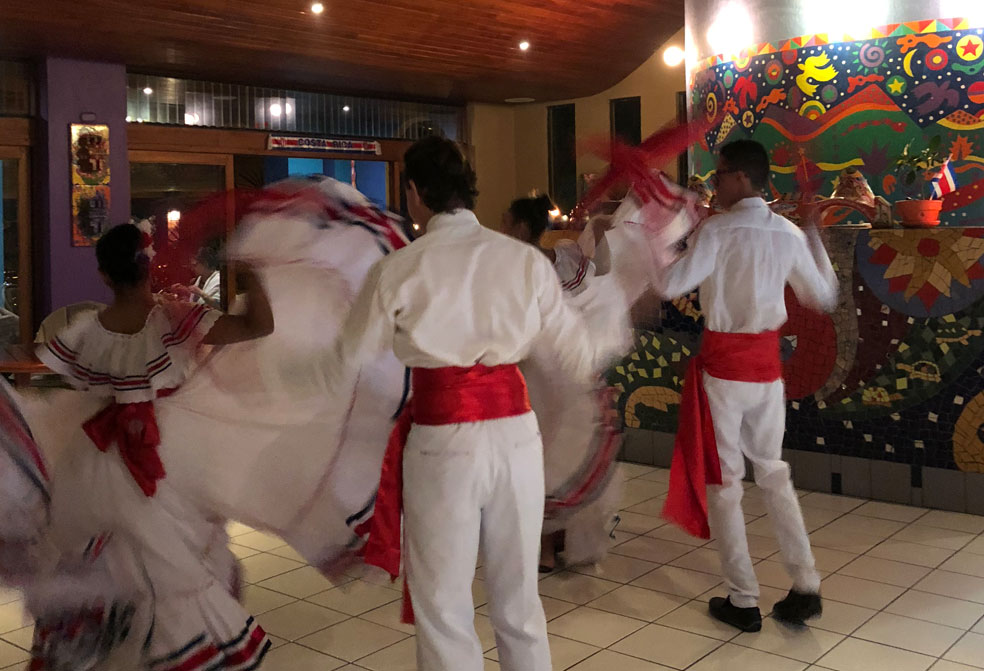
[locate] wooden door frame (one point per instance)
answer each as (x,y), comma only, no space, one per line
(25,276)
(200,158)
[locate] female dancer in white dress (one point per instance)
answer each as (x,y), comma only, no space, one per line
(253,435)
(111,490)
(581,435)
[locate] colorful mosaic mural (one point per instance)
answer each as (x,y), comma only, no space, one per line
(822,107)
(895,373)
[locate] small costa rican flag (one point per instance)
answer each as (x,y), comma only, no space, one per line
(945,182)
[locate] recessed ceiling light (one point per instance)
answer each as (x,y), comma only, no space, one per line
(516,101)
(317,8)
(148,91)
(346,109)
(524,45)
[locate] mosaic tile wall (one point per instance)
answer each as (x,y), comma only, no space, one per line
(821,107)
(885,395)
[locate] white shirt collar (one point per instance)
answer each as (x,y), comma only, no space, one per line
(753,203)
(452,219)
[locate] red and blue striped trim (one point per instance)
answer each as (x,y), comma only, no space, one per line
(578,279)
(242,653)
(178,336)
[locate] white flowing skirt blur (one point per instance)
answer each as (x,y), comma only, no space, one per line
(252,436)
(581,435)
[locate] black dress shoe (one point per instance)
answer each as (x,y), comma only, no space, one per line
(746,619)
(798,607)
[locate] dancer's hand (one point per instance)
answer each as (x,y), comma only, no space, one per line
(181,291)
(600,225)
(810,215)
(257,321)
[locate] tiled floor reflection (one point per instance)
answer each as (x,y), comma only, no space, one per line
(903,589)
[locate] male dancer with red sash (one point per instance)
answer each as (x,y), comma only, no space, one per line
(461,306)
(733,405)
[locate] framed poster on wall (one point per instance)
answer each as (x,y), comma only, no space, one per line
(90,183)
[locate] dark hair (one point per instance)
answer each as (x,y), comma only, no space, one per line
(749,157)
(121,257)
(534,212)
(441,174)
(208,255)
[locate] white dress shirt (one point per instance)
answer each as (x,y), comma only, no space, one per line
(211,287)
(462,295)
(742,261)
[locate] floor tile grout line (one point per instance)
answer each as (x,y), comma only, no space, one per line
(955,644)
(920,619)
(391,645)
(902,561)
(869,640)
(944,596)
(844,637)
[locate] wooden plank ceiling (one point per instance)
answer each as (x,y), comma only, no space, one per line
(454,50)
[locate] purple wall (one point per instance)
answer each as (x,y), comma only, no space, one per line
(70,88)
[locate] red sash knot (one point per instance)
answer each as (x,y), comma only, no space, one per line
(132,427)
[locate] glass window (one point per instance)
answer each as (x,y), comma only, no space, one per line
(10,267)
(189,102)
(562,155)
(16,89)
(162,192)
(626,120)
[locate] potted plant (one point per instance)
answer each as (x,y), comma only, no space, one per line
(915,170)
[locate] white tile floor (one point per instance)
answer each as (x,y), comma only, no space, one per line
(903,590)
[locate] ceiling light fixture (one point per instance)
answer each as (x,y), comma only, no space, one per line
(518,101)
(674,56)
(346,109)
(524,46)
(317,8)
(276,110)
(148,91)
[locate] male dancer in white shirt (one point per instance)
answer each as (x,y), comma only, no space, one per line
(462,306)
(742,261)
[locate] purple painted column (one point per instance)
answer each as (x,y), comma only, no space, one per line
(69,89)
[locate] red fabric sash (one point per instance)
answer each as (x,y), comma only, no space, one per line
(132,427)
(741,357)
(440,396)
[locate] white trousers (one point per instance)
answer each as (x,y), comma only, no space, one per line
(749,421)
(467,486)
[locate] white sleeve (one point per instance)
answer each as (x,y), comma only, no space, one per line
(693,266)
(813,278)
(603,257)
(368,331)
(580,347)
